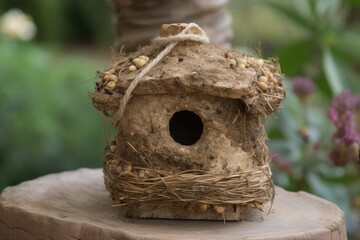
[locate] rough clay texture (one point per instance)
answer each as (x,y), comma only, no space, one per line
(222,87)
(224,146)
(189,68)
(75,205)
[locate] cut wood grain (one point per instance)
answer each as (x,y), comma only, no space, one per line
(75,205)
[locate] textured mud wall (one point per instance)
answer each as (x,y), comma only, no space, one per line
(229,142)
(201,68)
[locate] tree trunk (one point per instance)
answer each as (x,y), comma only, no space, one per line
(138,21)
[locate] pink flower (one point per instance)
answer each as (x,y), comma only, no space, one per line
(347,140)
(303,87)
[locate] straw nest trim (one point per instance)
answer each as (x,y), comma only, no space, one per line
(251,188)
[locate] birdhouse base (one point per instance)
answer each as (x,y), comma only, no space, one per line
(192,212)
(75,205)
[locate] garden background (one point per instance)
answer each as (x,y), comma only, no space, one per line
(48,123)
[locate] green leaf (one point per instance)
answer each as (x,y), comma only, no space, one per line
(352,2)
(327,8)
(347,178)
(346,74)
(295,56)
(349,44)
(323,86)
(332,71)
(352,78)
(292,14)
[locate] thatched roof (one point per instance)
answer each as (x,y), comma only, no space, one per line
(196,68)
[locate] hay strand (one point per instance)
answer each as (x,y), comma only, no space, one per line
(250,188)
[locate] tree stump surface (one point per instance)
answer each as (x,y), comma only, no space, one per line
(75,205)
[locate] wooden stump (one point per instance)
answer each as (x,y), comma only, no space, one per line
(75,205)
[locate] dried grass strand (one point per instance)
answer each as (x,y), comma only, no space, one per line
(250,188)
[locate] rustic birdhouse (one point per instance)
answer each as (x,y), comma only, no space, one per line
(189,135)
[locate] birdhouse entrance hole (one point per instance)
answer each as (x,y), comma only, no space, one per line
(186,127)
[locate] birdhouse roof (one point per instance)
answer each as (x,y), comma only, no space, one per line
(192,67)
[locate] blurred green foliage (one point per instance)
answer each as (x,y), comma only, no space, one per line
(320,40)
(68,21)
(330,44)
(327,52)
(47,121)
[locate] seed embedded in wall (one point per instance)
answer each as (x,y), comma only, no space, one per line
(115,162)
(259,62)
(127,167)
(263,79)
(109,72)
(112,148)
(113,78)
(232,63)
(143,57)
(203,207)
(273,80)
(263,86)
(219,208)
(241,61)
(111,85)
(139,62)
(132,68)
(105,78)
(241,66)
(229,55)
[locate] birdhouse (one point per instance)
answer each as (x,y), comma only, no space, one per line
(189,127)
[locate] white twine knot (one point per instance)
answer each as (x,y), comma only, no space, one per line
(170,42)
